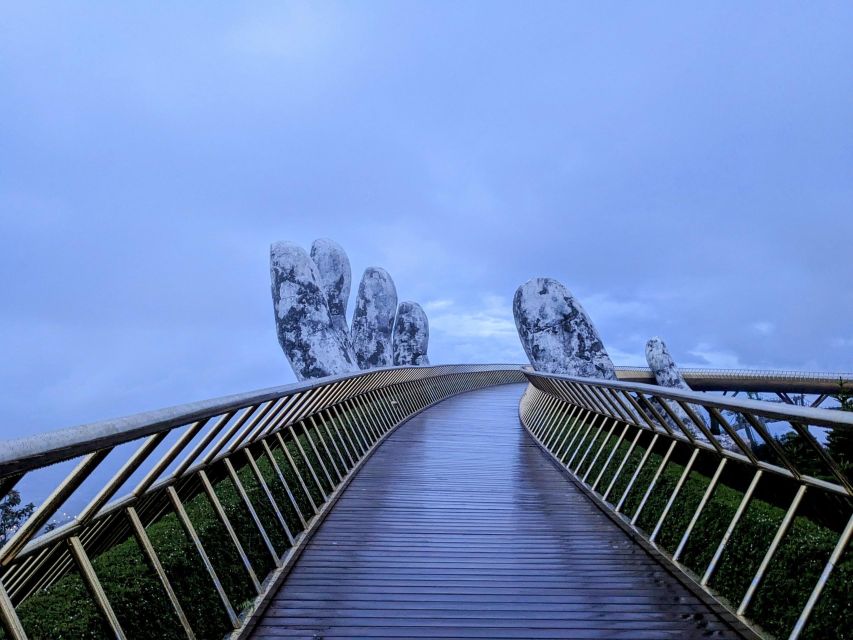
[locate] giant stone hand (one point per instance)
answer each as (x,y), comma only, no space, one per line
(556,332)
(310,297)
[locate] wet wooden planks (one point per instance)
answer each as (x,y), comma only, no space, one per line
(459,527)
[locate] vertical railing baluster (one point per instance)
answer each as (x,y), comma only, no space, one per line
(542,428)
(580,423)
(550,423)
(357,437)
(332,462)
(241,490)
(283,481)
(262,483)
(590,446)
(600,449)
(362,433)
(577,449)
(345,450)
(661,466)
(834,558)
(565,420)
(610,456)
(675,492)
(219,511)
(573,420)
(295,468)
(741,509)
(189,529)
(709,490)
(366,411)
(774,545)
(9,617)
(636,473)
(154,562)
(90,578)
(296,441)
(362,420)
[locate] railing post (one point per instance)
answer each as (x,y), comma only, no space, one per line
(154,562)
(11,622)
(90,578)
(189,529)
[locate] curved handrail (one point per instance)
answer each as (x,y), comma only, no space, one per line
(773,410)
(288,451)
(591,427)
(748,379)
(68,442)
(20,454)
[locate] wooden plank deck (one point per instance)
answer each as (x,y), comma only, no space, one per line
(459,527)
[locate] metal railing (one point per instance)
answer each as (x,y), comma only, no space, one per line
(287,453)
(634,447)
(748,380)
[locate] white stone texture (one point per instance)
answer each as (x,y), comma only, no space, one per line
(411,335)
(373,319)
(667,375)
(303,323)
(335,280)
(556,332)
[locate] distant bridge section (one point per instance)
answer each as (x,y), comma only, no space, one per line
(749,380)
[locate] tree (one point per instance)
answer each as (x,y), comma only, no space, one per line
(840,440)
(12,515)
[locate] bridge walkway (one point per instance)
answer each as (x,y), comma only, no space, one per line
(460,527)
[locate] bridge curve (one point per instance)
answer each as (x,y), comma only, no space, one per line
(459,526)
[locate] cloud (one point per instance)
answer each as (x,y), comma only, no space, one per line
(605,307)
(763,327)
(151,156)
(491,320)
(708,356)
(623,358)
(437,305)
(485,332)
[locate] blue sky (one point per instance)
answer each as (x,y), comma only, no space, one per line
(686,169)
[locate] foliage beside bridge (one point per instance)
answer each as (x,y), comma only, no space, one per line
(66,611)
(797,564)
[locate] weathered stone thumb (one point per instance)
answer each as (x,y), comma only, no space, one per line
(663,366)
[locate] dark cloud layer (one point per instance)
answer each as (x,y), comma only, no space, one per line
(685,170)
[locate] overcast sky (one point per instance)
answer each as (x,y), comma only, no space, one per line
(686,169)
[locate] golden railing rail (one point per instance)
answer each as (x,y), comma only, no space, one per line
(633,448)
(286,452)
(774,381)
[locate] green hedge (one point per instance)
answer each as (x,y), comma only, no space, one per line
(796,566)
(65,610)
